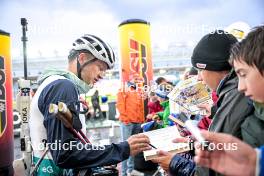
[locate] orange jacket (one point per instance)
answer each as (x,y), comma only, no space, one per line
(130,105)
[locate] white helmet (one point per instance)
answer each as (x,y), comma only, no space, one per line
(97,47)
(238,29)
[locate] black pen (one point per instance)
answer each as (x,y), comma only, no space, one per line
(152,146)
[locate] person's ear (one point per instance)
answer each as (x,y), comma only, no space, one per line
(82,58)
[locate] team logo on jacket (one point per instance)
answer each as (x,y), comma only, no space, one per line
(3,118)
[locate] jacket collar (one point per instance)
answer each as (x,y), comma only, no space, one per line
(228,83)
(80,84)
(259,110)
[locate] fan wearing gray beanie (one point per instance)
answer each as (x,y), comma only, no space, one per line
(210,57)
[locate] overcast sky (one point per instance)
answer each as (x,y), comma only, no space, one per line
(54,24)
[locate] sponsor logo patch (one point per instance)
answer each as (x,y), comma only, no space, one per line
(200,65)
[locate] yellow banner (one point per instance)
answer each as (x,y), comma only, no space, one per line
(135,50)
(6,110)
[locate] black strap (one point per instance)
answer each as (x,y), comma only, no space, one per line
(80,67)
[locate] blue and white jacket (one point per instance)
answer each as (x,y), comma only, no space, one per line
(44,126)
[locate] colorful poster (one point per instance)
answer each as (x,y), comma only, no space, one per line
(190,93)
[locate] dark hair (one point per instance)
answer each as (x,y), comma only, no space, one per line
(251,49)
(75,53)
(72,55)
(152,93)
(159,80)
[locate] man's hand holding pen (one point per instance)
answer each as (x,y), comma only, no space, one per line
(138,143)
